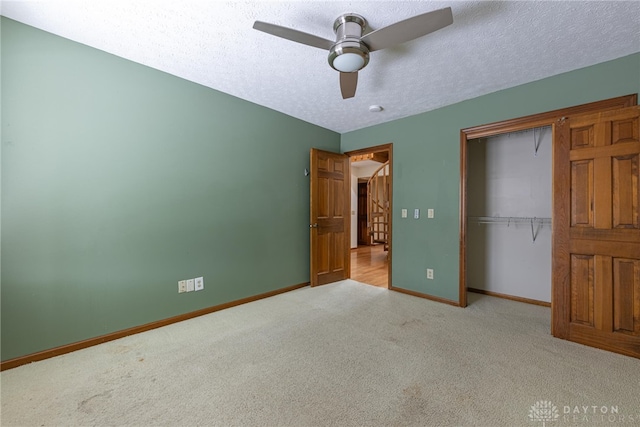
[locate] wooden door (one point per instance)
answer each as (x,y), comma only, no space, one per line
(330,221)
(596,249)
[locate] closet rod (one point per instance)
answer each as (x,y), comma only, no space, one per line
(509,219)
(540,222)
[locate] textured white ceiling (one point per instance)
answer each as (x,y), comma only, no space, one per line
(490,46)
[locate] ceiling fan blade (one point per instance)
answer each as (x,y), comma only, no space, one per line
(408,29)
(293,35)
(348,83)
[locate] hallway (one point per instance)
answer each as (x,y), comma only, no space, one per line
(369,265)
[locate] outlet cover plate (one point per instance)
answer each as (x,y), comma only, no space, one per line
(430,273)
(191,285)
(199,283)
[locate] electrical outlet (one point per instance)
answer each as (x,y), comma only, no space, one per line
(191,285)
(199,283)
(404,213)
(430,213)
(430,273)
(182,286)
(416,213)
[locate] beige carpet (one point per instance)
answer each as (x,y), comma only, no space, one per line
(344,354)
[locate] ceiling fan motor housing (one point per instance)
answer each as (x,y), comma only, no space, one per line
(349,54)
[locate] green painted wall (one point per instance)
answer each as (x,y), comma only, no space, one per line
(119,180)
(426,169)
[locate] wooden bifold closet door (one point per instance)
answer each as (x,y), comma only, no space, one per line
(596,249)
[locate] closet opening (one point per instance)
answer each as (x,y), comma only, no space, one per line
(471,215)
(509,205)
(594,239)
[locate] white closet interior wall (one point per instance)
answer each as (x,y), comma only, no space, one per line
(507,177)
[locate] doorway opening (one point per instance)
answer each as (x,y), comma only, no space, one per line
(371,218)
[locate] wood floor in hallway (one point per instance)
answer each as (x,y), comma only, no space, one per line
(369,265)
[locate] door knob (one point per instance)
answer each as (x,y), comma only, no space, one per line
(313,225)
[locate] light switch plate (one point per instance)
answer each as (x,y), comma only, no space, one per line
(199,285)
(182,286)
(190,285)
(430,213)
(404,213)
(416,214)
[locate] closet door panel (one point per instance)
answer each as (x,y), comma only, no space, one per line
(625,191)
(582,189)
(626,293)
(600,248)
(582,289)
(582,137)
(625,130)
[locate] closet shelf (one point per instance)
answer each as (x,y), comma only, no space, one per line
(509,219)
(539,222)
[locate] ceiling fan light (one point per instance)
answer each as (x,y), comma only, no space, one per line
(348,62)
(348,56)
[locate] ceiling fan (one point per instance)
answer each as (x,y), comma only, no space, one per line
(349,53)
